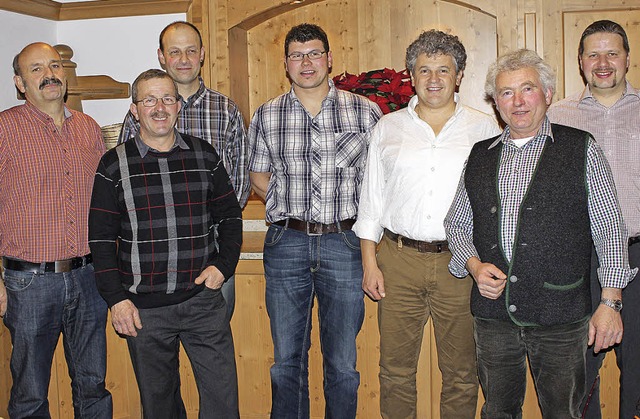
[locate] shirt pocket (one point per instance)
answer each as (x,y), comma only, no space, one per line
(351,149)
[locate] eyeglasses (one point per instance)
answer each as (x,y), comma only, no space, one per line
(313,55)
(151,101)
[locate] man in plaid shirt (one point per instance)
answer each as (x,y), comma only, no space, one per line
(307,153)
(156,200)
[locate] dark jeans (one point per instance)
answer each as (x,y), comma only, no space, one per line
(40,307)
(201,324)
(627,352)
(557,358)
(298,268)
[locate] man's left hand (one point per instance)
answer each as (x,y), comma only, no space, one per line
(212,278)
(605,328)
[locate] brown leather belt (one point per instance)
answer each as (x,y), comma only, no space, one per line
(316,228)
(634,240)
(422,247)
(59,266)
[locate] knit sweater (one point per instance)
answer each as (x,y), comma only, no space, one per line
(152,222)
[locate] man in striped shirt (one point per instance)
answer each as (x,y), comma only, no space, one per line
(307,154)
(47,155)
(609,108)
(204,113)
(529,205)
(155,202)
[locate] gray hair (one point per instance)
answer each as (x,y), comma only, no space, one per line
(517,60)
(154,73)
(435,42)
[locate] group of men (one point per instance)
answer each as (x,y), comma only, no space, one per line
(519,243)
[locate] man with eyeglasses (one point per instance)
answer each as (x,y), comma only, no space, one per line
(155,202)
(204,113)
(307,150)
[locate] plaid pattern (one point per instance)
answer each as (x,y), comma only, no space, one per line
(215,118)
(46,177)
(317,163)
(517,166)
(159,213)
(616,131)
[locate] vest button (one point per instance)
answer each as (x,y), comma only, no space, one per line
(494,210)
(513,278)
(512,308)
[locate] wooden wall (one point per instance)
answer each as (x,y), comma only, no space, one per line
(244,59)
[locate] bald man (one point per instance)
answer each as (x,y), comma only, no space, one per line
(48,156)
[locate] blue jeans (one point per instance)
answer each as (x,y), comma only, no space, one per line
(40,307)
(299,267)
(201,325)
(557,359)
(627,356)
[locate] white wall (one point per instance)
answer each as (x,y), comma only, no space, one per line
(121,48)
(17,31)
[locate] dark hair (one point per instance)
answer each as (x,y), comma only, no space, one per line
(178,23)
(304,33)
(606,26)
(16,64)
(434,42)
(154,73)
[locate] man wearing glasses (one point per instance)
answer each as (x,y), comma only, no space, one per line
(307,150)
(204,113)
(155,202)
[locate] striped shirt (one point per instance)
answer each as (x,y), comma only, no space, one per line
(151,224)
(617,131)
(46,176)
(316,163)
(215,118)
(517,166)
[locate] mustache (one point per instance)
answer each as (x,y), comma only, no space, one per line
(159,114)
(49,80)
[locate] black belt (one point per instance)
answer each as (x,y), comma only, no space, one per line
(634,240)
(421,246)
(316,228)
(58,266)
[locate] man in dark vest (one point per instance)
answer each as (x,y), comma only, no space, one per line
(529,205)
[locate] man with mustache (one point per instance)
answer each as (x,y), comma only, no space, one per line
(414,163)
(609,108)
(47,155)
(156,200)
(204,113)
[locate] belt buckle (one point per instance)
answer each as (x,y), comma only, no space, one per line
(314,231)
(62,265)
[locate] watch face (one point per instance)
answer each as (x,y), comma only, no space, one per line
(617,305)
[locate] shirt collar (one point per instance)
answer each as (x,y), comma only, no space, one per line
(143,148)
(332,96)
(42,115)
(413,102)
(628,91)
(195,98)
(543,133)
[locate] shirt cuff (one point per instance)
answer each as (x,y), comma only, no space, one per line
(368,230)
(459,258)
(616,277)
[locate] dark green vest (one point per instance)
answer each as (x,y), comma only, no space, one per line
(548,277)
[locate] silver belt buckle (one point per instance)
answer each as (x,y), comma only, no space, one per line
(62,265)
(314,232)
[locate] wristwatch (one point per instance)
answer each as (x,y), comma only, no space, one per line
(614,304)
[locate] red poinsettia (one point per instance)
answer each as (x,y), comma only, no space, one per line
(390,89)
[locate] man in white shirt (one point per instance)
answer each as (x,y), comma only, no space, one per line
(415,160)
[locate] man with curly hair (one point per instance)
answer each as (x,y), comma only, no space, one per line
(415,159)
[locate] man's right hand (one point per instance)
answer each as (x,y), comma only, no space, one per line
(125,318)
(373,283)
(490,279)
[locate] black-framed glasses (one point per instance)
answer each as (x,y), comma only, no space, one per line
(151,101)
(313,55)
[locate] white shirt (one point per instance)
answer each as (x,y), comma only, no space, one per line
(412,175)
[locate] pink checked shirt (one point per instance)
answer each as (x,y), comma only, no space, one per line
(46,178)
